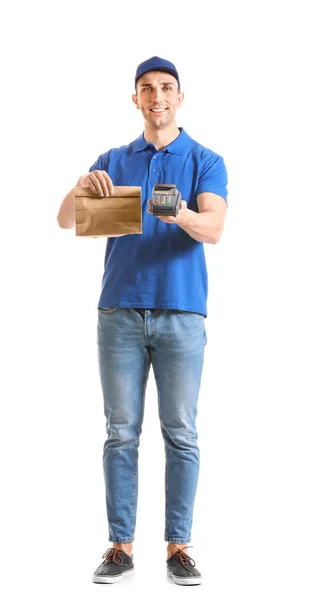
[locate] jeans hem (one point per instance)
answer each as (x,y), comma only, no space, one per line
(176,540)
(128,540)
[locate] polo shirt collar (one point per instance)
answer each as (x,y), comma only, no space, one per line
(175,147)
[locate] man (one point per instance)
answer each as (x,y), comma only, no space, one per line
(152,310)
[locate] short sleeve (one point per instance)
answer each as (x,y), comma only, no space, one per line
(102,163)
(213,177)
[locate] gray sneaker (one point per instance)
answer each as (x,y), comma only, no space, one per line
(181,568)
(117,564)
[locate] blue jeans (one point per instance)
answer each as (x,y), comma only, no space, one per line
(129,341)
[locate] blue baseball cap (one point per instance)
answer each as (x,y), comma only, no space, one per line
(156,64)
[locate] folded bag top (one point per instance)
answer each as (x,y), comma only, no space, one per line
(115,215)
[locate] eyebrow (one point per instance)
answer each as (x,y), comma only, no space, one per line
(163,82)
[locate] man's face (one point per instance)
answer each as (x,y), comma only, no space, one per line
(157,90)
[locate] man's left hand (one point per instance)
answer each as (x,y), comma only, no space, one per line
(181,217)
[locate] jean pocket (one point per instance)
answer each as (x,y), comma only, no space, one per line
(107,309)
(188,312)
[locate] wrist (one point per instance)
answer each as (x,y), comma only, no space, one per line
(185,217)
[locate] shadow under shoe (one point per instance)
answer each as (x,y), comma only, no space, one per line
(116,565)
(181,568)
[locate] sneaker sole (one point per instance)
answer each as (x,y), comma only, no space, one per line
(111,578)
(185,580)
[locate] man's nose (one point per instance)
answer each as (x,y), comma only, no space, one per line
(157,94)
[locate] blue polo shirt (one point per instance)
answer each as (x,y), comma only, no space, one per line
(163,267)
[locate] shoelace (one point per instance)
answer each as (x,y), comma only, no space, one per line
(184,558)
(113,555)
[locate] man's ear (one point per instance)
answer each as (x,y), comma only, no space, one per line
(135,100)
(180,99)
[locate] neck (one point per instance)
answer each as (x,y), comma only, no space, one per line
(161,137)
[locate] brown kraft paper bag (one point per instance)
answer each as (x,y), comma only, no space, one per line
(110,216)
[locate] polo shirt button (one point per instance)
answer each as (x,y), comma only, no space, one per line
(154,170)
(154,157)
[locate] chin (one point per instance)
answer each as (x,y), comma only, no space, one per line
(160,125)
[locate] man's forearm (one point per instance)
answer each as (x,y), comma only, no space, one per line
(203,227)
(66,215)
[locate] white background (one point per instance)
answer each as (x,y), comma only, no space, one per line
(67,80)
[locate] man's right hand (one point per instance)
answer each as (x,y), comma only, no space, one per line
(97,181)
